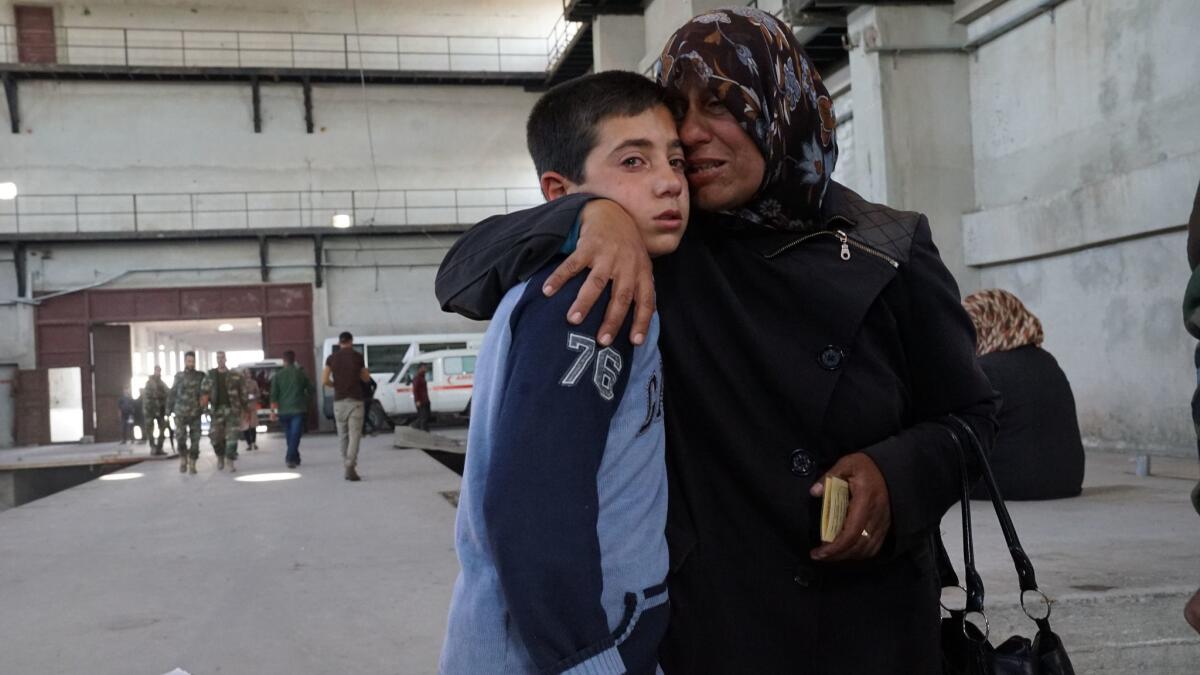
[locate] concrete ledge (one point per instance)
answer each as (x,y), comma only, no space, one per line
(408,437)
(1120,207)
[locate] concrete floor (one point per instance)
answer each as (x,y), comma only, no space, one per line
(312,575)
(1119,563)
(317,575)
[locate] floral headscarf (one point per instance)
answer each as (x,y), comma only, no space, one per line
(753,64)
(1001,321)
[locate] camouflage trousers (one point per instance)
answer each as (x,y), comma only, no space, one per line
(224,430)
(155,417)
(188,432)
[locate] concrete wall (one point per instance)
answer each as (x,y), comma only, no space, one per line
(109,137)
(618,42)
(151,138)
(1086,122)
(664,17)
(1084,133)
(1112,320)
(375,285)
(912,120)
(1057,160)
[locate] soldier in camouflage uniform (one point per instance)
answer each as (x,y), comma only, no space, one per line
(225,391)
(184,402)
(154,410)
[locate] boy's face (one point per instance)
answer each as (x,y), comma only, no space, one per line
(638,163)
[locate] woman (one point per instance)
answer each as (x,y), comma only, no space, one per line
(1038,453)
(804,332)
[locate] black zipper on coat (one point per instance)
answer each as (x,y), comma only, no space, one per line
(844,239)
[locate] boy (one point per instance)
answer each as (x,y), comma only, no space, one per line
(561,519)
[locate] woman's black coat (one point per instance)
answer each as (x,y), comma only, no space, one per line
(781,356)
(1038,453)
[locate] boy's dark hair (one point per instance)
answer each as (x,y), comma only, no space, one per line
(561,130)
(345,337)
(189,353)
(289,357)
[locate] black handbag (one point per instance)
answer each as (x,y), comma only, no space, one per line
(966,649)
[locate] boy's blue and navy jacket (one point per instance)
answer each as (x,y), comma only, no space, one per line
(562,514)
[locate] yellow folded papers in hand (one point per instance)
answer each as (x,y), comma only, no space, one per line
(833,507)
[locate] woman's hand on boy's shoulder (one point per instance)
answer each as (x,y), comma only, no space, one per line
(612,247)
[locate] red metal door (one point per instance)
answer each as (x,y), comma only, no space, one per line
(112,368)
(35,35)
(33,407)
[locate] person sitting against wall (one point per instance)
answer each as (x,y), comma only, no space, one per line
(1038,453)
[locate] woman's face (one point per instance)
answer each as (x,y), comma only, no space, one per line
(724,166)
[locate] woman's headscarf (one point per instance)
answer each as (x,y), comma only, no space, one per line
(1001,321)
(753,64)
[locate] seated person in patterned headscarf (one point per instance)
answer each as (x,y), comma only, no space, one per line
(1038,452)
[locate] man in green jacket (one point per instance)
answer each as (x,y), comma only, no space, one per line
(291,393)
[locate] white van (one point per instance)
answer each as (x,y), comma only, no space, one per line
(449,375)
(385,356)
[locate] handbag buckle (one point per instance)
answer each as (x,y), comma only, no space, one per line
(949,594)
(982,631)
(1044,603)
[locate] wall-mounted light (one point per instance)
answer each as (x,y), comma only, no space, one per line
(225,328)
(341,221)
(8,191)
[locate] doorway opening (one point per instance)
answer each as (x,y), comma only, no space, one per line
(96,330)
(66,404)
(164,344)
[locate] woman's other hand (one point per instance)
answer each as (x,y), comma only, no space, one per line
(869,516)
(612,247)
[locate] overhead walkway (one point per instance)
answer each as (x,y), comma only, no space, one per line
(47,217)
(304,58)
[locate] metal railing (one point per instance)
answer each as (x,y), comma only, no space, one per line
(199,211)
(132,47)
(559,39)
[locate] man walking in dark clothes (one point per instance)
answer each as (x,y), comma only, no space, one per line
(421,398)
(346,372)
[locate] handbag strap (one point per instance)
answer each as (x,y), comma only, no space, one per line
(1025,574)
(974,582)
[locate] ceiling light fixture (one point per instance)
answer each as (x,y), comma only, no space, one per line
(225,328)
(8,191)
(341,221)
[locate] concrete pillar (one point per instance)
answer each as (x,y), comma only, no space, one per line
(912,121)
(618,42)
(661,18)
